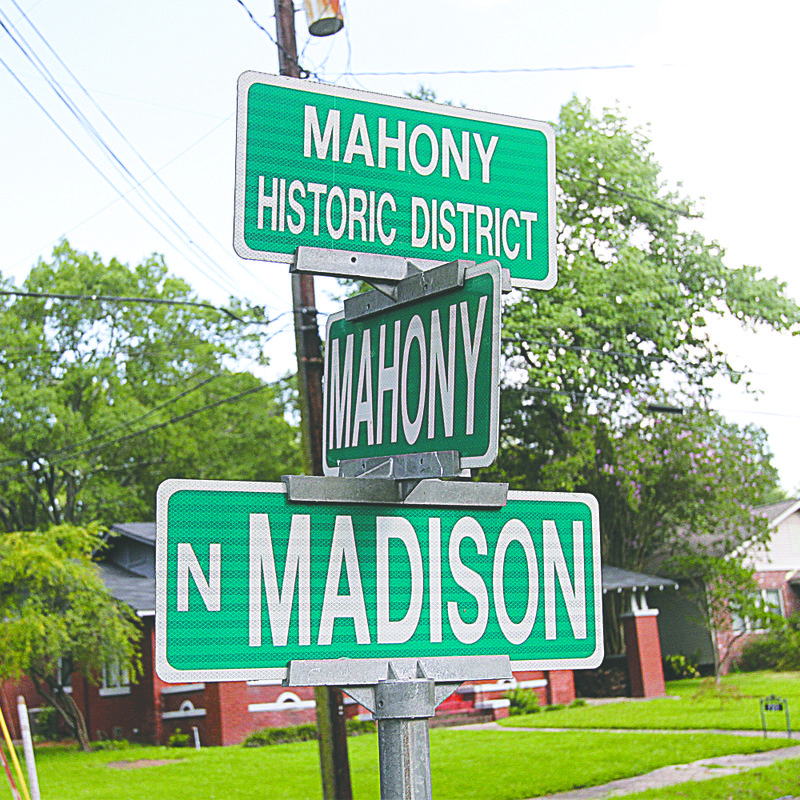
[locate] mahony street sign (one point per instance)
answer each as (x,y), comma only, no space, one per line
(417,378)
(330,167)
(247,581)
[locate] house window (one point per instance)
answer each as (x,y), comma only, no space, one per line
(115,679)
(64,672)
(769,599)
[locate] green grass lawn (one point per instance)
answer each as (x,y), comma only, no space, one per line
(681,711)
(769,783)
(485,765)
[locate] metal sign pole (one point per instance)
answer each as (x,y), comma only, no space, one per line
(402,695)
(402,710)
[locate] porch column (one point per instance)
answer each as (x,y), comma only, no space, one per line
(643,651)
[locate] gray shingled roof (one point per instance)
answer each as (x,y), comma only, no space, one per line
(775,510)
(138,592)
(615,578)
(141,531)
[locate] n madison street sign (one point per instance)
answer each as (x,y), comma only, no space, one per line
(325,166)
(247,581)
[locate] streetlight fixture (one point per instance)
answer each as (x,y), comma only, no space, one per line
(660,408)
(324,17)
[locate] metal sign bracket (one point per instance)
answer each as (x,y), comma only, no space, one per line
(413,466)
(361,677)
(382,491)
(397,280)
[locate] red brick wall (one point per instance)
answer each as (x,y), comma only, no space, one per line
(560,686)
(132,714)
(9,691)
(643,650)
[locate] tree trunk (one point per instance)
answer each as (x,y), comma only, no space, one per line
(80,723)
(66,707)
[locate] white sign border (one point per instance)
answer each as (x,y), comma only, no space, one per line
(249,78)
(166,672)
(470,462)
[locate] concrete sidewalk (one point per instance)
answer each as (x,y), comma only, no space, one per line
(666,776)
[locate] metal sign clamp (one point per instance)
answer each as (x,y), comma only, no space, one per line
(396,279)
(382,491)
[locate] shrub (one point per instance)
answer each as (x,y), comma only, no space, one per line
(178,739)
(358,727)
(44,724)
(523,701)
(777,650)
(292,733)
(303,733)
(678,666)
(555,707)
(578,702)
(608,680)
(115,744)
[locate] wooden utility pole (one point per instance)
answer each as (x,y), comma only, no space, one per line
(333,755)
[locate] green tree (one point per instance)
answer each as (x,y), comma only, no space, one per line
(637,288)
(121,381)
(675,493)
(54,606)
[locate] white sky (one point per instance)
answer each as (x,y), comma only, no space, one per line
(716,81)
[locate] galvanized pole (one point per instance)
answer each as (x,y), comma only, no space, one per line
(402,710)
(334,761)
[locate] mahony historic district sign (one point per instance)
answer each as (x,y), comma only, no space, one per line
(330,167)
(417,378)
(247,581)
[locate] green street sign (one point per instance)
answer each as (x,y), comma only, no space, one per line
(247,581)
(330,167)
(419,378)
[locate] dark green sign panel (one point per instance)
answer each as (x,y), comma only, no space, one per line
(247,581)
(419,378)
(330,167)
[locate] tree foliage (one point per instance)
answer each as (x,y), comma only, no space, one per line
(54,605)
(668,485)
(101,398)
(637,289)
(629,322)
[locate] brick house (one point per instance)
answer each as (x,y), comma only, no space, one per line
(777,572)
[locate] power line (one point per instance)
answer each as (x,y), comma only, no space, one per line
(503,71)
(97,169)
(153,172)
(83,121)
(580,349)
(630,196)
(158,426)
(145,300)
(120,426)
(304,73)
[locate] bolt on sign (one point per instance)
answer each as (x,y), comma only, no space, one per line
(247,581)
(418,378)
(326,166)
